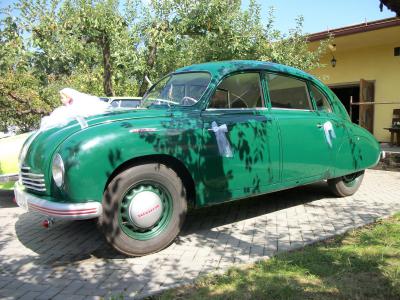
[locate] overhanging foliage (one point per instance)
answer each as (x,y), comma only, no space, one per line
(108,47)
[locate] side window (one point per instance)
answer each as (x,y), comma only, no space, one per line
(320,100)
(287,92)
(115,103)
(130,103)
(238,91)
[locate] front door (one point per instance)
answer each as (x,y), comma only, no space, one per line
(241,149)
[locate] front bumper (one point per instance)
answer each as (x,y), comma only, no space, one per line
(69,211)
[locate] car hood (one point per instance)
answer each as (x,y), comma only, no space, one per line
(41,145)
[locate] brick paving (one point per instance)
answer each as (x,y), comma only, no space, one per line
(72,260)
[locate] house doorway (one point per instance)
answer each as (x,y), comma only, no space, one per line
(358,93)
(345,93)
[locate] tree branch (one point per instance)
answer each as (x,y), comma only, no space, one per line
(25,101)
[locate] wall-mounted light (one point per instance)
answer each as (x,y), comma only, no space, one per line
(332,47)
(333,61)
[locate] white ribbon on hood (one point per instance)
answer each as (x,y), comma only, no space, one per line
(224,147)
(329,132)
(83,105)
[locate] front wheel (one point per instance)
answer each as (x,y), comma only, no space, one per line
(346,185)
(144,208)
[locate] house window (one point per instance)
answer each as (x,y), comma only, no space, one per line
(287,92)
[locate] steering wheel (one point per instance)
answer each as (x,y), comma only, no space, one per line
(188,101)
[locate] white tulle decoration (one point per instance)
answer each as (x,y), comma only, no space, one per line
(82,105)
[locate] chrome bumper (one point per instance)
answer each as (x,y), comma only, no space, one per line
(68,211)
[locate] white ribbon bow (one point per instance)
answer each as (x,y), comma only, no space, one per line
(329,132)
(224,147)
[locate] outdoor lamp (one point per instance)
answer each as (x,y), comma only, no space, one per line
(333,61)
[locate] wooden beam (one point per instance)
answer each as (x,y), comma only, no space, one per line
(373,103)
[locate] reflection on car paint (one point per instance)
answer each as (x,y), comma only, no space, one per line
(140,130)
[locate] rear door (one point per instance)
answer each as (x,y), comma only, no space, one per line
(305,150)
(339,138)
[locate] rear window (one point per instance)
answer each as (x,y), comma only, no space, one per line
(320,100)
(287,92)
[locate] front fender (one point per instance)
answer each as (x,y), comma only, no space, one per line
(92,155)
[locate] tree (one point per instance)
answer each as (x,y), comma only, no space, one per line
(20,101)
(393,5)
(78,34)
(108,47)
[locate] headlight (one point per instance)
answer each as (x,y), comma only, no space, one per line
(58,170)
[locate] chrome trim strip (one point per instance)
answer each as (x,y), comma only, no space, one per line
(381,156)
(32,180)
(32,175)
(41,185)
(66,211)
(296,109)
(237,109)
(35,188)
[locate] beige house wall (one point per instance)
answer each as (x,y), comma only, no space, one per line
(373,62)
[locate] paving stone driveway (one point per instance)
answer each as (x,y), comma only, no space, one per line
(71,260)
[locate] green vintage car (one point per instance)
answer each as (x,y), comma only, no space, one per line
(206,134)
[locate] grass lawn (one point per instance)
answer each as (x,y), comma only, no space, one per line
(9,150)
(6,185)
(362,264)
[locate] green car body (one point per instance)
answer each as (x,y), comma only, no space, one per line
(271,148)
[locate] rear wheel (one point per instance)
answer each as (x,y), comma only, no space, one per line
(346,185)
(144,208)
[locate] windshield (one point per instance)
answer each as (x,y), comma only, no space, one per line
(183,89)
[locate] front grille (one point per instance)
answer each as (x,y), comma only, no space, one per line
(32,181)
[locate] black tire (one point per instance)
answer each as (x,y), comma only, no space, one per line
(346,185)
(117,190)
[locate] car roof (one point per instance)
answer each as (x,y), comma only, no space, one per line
(222,68)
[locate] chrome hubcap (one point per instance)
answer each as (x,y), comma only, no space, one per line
(145,209)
